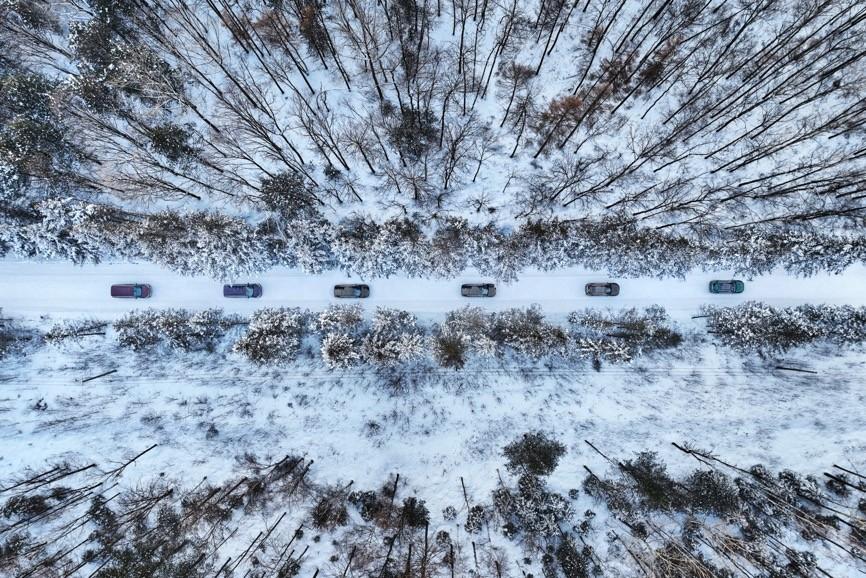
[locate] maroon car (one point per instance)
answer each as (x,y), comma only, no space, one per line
(131,291)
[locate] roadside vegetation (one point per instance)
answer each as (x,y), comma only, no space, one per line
(224,247)
(341,337)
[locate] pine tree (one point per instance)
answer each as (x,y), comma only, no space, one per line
(450,247)
(288,194)
(354,248)
(32,137)
(64,228)
(308,244)
(402,242)
(755,326)
(173,141)
(209,244)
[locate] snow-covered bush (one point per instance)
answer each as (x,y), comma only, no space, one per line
(330,510)
(620,336)
(464,332)
(219,246)
(14,337)
(476,517)
(449,350)
(382,509)
(340,327)
(756,251)
(139,329)
(534,453)
(598,349)
(372,249)
(339,319)
(755,326)
(394,338)
(573,562)
(527,333)
(353,248)
(713,492)
(176,328)
(403,244)
(73,331)
(655,488)
(450,247)
(11,183)
(414,513)
(273,335)
(531,509)
(341,350)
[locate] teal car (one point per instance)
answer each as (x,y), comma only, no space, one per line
(732,286)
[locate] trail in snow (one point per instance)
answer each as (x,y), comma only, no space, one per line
(34,288)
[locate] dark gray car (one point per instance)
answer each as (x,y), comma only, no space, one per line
(478,290)
(248,290)
(602,289)
(351,291)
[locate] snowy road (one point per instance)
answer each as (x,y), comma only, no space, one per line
(30,288)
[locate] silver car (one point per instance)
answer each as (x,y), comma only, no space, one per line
(602,289)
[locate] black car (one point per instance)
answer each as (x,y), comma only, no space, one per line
(602,289)
(478,290)
(352,291)
(242,290)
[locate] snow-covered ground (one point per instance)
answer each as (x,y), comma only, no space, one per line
(206,409)
(451,424)
(30,289)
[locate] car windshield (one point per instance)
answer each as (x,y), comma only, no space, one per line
(136,291)
(249,291)
(356,291)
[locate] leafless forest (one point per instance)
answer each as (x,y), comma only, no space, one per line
(671,113)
